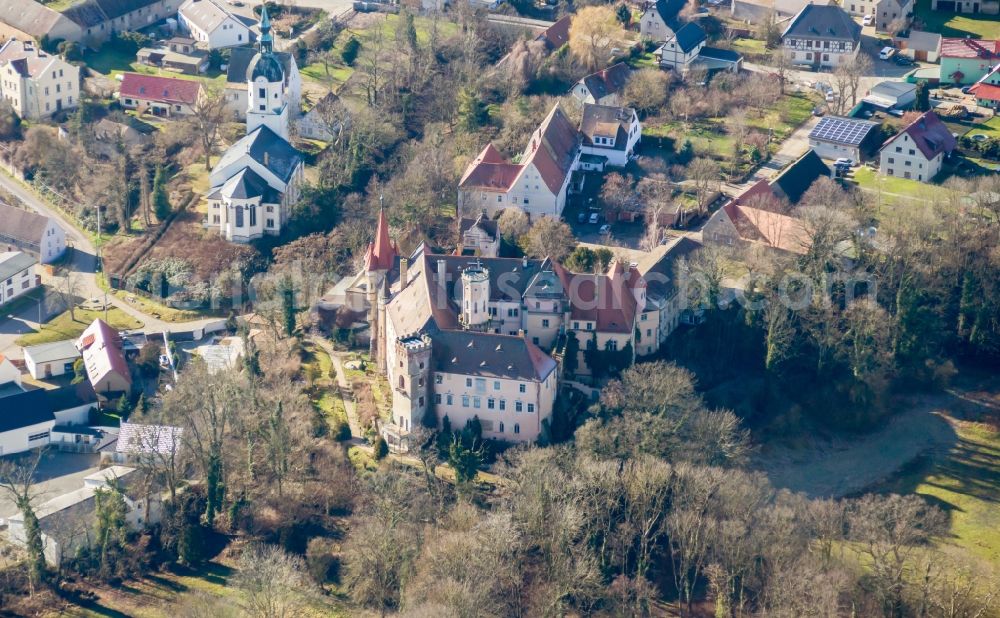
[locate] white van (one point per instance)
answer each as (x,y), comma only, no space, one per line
(886,53)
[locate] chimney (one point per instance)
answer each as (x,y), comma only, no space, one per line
(524,262)
(403,267)
(520,333)
(267,159)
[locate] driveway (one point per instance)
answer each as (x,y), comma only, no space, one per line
(58,473)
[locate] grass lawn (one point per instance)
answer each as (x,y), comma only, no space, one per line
(965,482)
(750,47)
(110,61)
(327,399)
(155,309)
(870,180)
(643,61)
(990,128)
(64,327)
(317,72)
(955,24)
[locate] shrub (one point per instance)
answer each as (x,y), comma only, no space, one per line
(70,50)
(381,449)
(350,51)
(342,432)
(322,560)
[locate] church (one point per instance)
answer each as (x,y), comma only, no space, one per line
(256,181)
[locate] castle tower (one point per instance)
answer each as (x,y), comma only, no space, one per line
(266,85)
(380,257)
(475,297)
(412,388)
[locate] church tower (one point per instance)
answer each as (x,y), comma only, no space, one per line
(266,85)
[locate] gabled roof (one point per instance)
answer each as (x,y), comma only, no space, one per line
(247,184)
(86,14)
(930,135)
(556,35)
(769,228)
(55,351)
(490,170)
(13,262)
(611,80)
(135,438)
(605,299)
(971,48)
(22,226)
(840,130)
(669,10)
(72,396)
(101,347)
(659,267)
(482,222)
(985,92)
(920,40)
(25,409)
(490,355)
(26,57)
(823,21)
(552,149)
(606,121)
(382,252)
(796,179)
(163,89)
(724,55)
(117,8)
(205,14)
(282,158)
(689,36)
(31,17)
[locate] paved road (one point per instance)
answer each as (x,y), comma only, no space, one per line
(83,266)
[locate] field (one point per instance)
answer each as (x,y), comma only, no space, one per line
(64,327)
(955,24)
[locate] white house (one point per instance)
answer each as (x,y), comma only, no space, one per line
(885,12)
(36,83)
(835,137)
(49,360)
(682,47)
(26,422)
(537,184)
(610,135)
(211,23)
(604,87)
(661,20)
(821,36)
(23,230)
(664,293)
(919,150)
(316,123)
(66,521)
(17,275)
(480,236)
(104,359)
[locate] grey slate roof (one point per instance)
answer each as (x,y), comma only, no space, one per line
(85,14)
(25,409)
(669,10)
(824,21)
(117,8)
(48,352)
(611,80)
(240,64)
(796,179)
(598,119)
(725,55)
(282,157)
(29,16)
(489,355)
(248,184)
(72,396)
(661,276)
(13,262)
(689,36)
(21,226)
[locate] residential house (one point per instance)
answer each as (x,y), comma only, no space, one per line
(160,96)
(739,224)
(556,35)
(255,182)
(885,12)
(821,36)
(17,275)
(479,236)
(892,95)
(104,359)
(793,181)
(26,421)
(919,45)
(834,137)
(984,7)
(661,20)
(987,89)
(139,442)
(129,133)
(537,184)
(37,84)
(756,11)
(32,20)
(32,233)
(682,47)
(71,404)
(176,54)
(604,87)
(66,521)
(212,24)
(610,135)
(318,122)
(100,20)
(50,360)
(966,61)
(664,289)
(919,150)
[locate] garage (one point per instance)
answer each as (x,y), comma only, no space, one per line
(945,5)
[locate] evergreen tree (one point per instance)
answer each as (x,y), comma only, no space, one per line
(161,202)
(471,114)
(288,307)
(110,529)
(923,96)
(380,448)
(464,461)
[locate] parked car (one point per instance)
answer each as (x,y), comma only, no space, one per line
(830,96)
(818,111)
(605,229)
(886,53)
(595,217)
(868,20)
(844,161)
(966,89)
(903,61)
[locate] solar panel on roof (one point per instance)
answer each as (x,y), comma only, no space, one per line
(842,130)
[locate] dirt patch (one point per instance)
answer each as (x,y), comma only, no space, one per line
(207,252)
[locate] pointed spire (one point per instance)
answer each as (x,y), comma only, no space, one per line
(381,252)
(266,40)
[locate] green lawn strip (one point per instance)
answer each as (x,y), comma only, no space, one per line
(965,481)
(990,128)
(64,327)
(645,60)
(948,24)
(870,179)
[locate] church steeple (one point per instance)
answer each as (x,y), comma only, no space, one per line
(381,254)
(266,38)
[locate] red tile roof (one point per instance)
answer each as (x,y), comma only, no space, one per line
(608,301)
(970,48)
(381,253)
(490,171)
(552,148)
(930,135)
(557,35)
(770,228)
(163,89)
(987,92)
